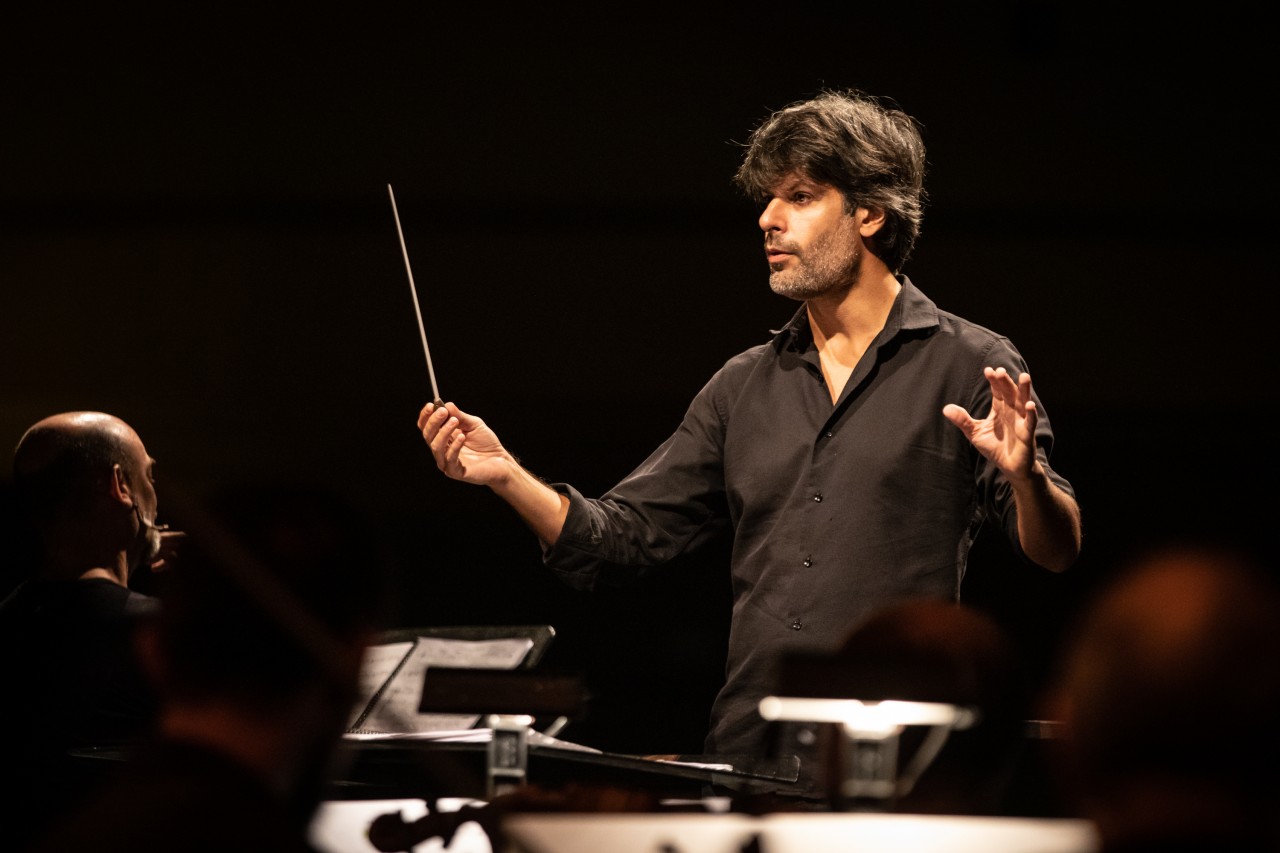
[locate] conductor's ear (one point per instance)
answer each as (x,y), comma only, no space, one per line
(872,221)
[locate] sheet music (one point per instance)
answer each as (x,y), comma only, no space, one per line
(379,663)
(396,709)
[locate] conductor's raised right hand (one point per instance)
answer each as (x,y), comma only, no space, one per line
(463,446)
(465,449)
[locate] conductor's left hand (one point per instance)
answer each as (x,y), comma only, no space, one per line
(1006,435)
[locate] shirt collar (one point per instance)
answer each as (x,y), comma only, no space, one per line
(911,310)
(795,333)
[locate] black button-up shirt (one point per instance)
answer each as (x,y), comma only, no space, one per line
(835,510)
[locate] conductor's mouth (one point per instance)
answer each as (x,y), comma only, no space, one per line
(777,252)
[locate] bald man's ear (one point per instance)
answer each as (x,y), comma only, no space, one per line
(119,486)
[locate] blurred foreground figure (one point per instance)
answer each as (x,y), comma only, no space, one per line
(1169,694)
(919,650)
(86,507)
(255,655)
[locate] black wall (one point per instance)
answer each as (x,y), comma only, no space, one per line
(195,235)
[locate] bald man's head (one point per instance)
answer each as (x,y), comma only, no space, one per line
(72,468)
(64,459)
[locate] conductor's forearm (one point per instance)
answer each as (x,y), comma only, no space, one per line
(542,508)
(1049,527)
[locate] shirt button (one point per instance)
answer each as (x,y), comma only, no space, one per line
(796,625)
(817,498)
(830,434)
(808,561)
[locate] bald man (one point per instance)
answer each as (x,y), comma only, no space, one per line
(86,501)
(1168,693)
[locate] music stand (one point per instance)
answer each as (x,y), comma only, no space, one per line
(868,776)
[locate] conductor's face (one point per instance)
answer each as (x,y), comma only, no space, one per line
(811,242)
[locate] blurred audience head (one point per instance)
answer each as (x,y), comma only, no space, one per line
(1168,691)
(942,651)
(928,650)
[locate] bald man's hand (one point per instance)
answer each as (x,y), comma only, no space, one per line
(171,542)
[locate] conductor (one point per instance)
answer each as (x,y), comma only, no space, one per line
(853,457)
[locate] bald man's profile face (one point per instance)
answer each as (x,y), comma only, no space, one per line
(50,438)
(140,471)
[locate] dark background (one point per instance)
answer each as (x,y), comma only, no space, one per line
(196,237)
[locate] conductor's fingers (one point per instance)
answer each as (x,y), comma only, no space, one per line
(430,421)
(424,414)
(1003,388)
(449,460)
(1024,389)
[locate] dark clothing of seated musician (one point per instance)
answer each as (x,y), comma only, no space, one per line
(75,693)
(255,657)
(85,506)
